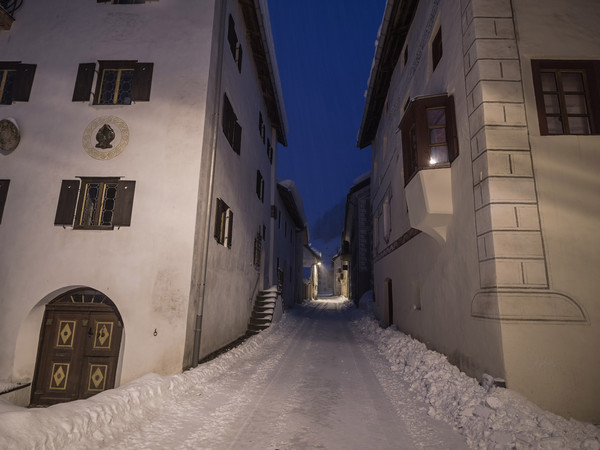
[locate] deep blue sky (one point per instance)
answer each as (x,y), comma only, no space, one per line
(324,52)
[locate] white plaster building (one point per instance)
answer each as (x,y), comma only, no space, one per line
(483,119)
(145,171)
(356,240)
(291,230)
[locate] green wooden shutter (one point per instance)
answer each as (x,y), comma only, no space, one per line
(124,204)
(67,201)
(3,192)
(83,82)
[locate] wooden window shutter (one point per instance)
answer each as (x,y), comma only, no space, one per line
(124,204)
(142,82)
(452,137)
(232,36)
(238,56)
(3,192)
(258,182)
(218,219)
(23,82)
(229,228)
(83,82)
(237,138)
(67,201)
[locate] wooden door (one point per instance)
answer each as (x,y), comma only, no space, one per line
(78,353)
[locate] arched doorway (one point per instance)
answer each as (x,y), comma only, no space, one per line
(79,345)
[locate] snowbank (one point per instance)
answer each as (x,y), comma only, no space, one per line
(488,418)
(110,413)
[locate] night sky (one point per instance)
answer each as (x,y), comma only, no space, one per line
(324,52)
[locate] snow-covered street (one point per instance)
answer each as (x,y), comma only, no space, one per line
(324,377)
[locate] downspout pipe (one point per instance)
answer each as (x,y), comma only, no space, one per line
(220,21)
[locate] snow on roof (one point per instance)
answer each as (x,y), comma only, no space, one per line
(362,178)
(296,198)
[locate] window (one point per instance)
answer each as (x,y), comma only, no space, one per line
(269,151)
(3,193)
(428,135)
(223,224)
(257,250)
(231,127)
(94,203)
(261,127)
(119,82)
(16,80)
(260,186)
(436,49)
(234,44)
(567,96)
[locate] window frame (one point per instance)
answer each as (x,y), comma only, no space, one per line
(437,49)
(223,232)
(69,211)
(230,126)
(415,131)
(141,82)
(260,186)
(22,82)
(234,44)
(4,185)
(590,70)
(269,151)
(261,127)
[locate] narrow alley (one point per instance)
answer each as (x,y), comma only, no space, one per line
(310,385)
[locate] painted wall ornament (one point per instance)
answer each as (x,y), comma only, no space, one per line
(9,134)
(105,137)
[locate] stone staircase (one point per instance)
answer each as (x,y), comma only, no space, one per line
(264,309)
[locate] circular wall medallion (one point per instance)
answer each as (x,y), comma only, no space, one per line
(9,135)
(105,137)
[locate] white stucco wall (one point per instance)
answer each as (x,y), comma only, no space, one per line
(232,279)
(566,174)
(144,268)
(432,284)
(553,362)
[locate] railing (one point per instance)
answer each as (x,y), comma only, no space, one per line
(10,6)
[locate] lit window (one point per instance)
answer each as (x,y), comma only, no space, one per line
(566,100)
(428,134)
